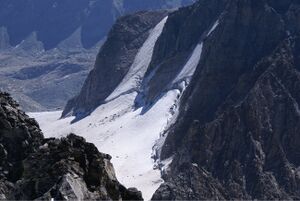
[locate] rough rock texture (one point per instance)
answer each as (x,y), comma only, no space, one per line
(20,135)
(70,168)
(32,167)
(114,60)
(237,135)
(183,30)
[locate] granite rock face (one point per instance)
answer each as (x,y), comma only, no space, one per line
(33,167)
(237,132)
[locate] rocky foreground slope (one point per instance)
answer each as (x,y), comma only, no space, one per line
(33,167)
(235,64)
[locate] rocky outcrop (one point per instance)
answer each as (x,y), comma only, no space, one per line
(114,60)
(33,167)
(70,168)
(237,132)
(20,136)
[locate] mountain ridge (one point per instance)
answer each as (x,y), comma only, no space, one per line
(233,132)
(231,112)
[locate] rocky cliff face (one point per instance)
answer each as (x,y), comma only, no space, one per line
(114,60)
(236,136)
(32,167)
(249,150)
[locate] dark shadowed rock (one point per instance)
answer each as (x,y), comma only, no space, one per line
(114,60)
(237,135)
(32,167)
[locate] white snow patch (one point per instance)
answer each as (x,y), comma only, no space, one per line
(189,68)
(213,28)
(183,78)
(133,78)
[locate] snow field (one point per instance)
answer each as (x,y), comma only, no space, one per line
(124,132)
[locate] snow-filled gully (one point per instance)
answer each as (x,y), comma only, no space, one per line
(122,131)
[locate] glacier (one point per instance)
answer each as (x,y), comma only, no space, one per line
(125,132)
